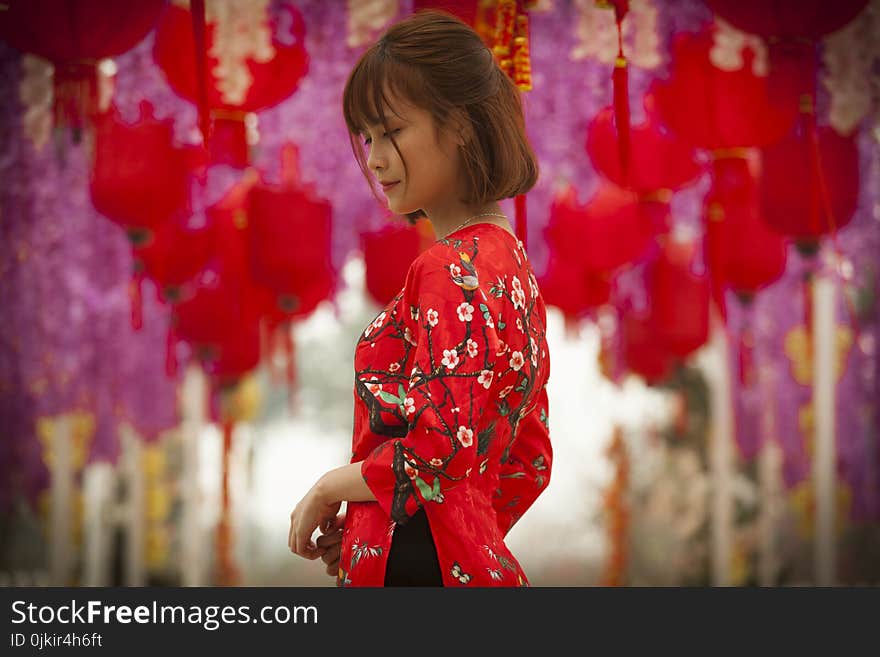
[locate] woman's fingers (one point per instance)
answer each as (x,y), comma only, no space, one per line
(334,524)
(332,554)
(331,558)
(330,539)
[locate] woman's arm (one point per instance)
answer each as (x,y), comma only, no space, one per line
(319,506)
(345,483)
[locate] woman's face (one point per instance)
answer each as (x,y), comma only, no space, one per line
(431,179)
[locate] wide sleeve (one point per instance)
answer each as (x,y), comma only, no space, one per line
(448,387)
(526,471)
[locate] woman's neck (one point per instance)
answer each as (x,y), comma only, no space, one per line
(450,221)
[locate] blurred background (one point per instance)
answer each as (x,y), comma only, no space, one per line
(189,252)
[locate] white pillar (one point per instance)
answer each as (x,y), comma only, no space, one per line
(769,481)
(193,401)
(824,454)
(61,509)
(716,367)
(134,519)
(99,492)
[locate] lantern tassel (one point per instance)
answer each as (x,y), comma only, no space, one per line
(228,574)
(622,113)
(171,352)
(197,9)
(290,352)
(137,301)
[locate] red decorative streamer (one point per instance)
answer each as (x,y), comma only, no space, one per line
(137,300)
(197,9)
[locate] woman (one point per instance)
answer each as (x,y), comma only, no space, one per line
(450,443)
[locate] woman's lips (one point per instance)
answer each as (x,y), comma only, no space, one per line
(388,186)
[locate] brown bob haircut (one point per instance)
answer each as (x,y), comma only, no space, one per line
(436,62)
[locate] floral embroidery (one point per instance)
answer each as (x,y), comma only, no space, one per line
(450,358)
(465,312)
(485,378)
(516,361)
(465,436)
(432,317)
(472,348)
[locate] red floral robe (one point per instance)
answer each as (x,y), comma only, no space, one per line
(451,411)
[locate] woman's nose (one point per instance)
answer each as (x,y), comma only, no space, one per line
(375,161)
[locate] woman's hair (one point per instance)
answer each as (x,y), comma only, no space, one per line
(436,62)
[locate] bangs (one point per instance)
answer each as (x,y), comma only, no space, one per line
(376,77)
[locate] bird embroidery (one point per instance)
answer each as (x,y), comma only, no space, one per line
(467,280)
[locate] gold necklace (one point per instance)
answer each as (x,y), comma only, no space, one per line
(469,219)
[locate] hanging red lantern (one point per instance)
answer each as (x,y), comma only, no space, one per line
(466,10)
(718,109)
(225,296)
(809,190)
(679,297)
(139,179)
(252,62)
(174,254)
(572,289)
(609,231)
(75,35)
(235,355)
(787,19)
(792,29)
(290,239)
(388,254)
(659,160)
(742,252)
(643,354)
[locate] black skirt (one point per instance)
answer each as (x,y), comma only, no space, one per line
(412,559)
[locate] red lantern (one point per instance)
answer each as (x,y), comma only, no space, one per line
(388,254)
(642,352)
(225,297)
(715,109)
(679,297)
(236,355)
(742,252)
(574,290)
(797,175)
(139,178)
(242,75)
(466,10)
(289,235)
(174,254)
(610,230)
(659,160)
(787,19)
(74,36)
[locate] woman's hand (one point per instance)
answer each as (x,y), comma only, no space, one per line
(331,544)
(316,509)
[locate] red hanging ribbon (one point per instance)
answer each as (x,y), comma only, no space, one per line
(137,300)
(227,572)
(171,351)
(197,9)
(620,80)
